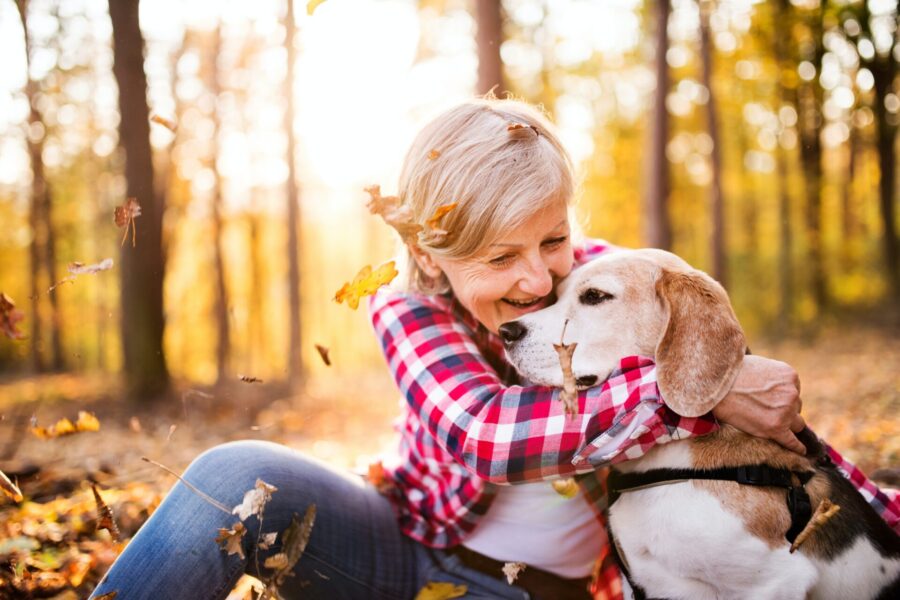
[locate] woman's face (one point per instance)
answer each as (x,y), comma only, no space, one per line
(516,274)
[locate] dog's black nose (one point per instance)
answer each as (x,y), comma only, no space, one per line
(512,331)
(586,380)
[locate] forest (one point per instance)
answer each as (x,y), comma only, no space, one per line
(182,193)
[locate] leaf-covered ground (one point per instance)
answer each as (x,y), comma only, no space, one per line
(49,543)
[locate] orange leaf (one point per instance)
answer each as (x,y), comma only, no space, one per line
(86,422)
(167,123)
(124,216)
(439,213)
(365,283)
(395,214)
(433,154)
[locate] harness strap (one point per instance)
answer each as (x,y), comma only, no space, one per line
(798,501)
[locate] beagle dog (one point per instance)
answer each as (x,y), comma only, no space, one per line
(713,516)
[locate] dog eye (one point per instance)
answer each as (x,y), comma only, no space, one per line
(593,296)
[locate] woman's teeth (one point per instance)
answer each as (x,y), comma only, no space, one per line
(522,303)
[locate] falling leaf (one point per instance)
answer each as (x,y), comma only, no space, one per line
(172,429)
(440,590)
(167,123)
(323,353)
(294,540)
(567,488)
(312,5)
(512,570)
(105,518)
(254,500)
(276,561)
(9,488)
(124,216)
(249,379)
(569,394)
(77,268)
(134,424)
(822,515)
(61,282)
(267,540)
(439,213)
(365,283)
(377,476)
(433,154)
(230,539)
(9,316)
(86,422)
(395,214)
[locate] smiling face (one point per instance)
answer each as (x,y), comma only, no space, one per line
(516,274)
(608,307)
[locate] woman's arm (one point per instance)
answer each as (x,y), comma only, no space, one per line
(513,434)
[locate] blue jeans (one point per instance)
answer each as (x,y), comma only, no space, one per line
(356,549)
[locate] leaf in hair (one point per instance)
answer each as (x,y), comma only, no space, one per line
(395,214)
(433,154)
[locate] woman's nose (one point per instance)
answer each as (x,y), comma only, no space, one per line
(537,279)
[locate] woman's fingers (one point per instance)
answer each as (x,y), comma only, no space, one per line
(790,441)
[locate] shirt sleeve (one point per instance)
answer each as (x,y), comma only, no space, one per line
(885,502)
(515,434)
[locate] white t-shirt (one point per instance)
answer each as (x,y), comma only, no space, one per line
(533,524)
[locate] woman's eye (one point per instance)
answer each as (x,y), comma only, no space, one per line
(502,261)
(556,242)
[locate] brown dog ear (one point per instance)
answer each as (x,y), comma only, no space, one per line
(700,353)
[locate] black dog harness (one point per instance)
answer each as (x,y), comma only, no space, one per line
(798,501)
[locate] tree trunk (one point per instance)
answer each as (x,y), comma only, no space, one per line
(657,228)
(848,216)
(811,120)
(223,345)
(295,354)
(489,20)
(781,31)
(142,267)
(716,202)
(884,70)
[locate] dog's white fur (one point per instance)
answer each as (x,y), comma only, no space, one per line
(686,540)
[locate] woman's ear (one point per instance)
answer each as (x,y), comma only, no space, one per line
(700,352)
(425,261)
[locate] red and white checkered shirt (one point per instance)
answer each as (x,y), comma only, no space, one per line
(468,427)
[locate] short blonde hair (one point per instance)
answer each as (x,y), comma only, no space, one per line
(500,160)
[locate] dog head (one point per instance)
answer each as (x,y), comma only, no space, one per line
(635,302)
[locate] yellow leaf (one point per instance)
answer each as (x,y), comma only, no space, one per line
(439,590)
(86,422)
(567,488)
(365,283)
(312,5)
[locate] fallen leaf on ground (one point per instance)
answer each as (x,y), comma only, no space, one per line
(440,590)
(9,316)
(250,379)
(254,500)
(167,123)
(9,488)
(105,518)
(230,539)
(124,216)
(78,568)
(395,214)
(365,283)
(77,268)
(323,353)
(820,517)
(569,394)
(512,570)
(86,422)
(567,488)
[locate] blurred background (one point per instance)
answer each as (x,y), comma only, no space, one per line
(755,138)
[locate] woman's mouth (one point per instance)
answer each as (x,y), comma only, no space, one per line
(525,304)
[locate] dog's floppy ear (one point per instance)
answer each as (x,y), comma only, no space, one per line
(700,353)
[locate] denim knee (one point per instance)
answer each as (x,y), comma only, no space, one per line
(241,462)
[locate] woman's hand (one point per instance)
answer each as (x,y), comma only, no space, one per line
(765,402)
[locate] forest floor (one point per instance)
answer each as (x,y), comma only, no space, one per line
(49,546)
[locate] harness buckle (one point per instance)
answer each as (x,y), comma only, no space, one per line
(753,475)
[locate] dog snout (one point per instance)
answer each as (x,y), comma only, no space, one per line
(512,332)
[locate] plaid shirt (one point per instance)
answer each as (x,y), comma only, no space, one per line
(469,427)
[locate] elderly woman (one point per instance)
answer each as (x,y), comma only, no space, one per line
(446,512)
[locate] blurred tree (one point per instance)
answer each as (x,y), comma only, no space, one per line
(489,37)
(142,267)
(223,341)
(716,208)
(295,354)
(657,227)
(42,248)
